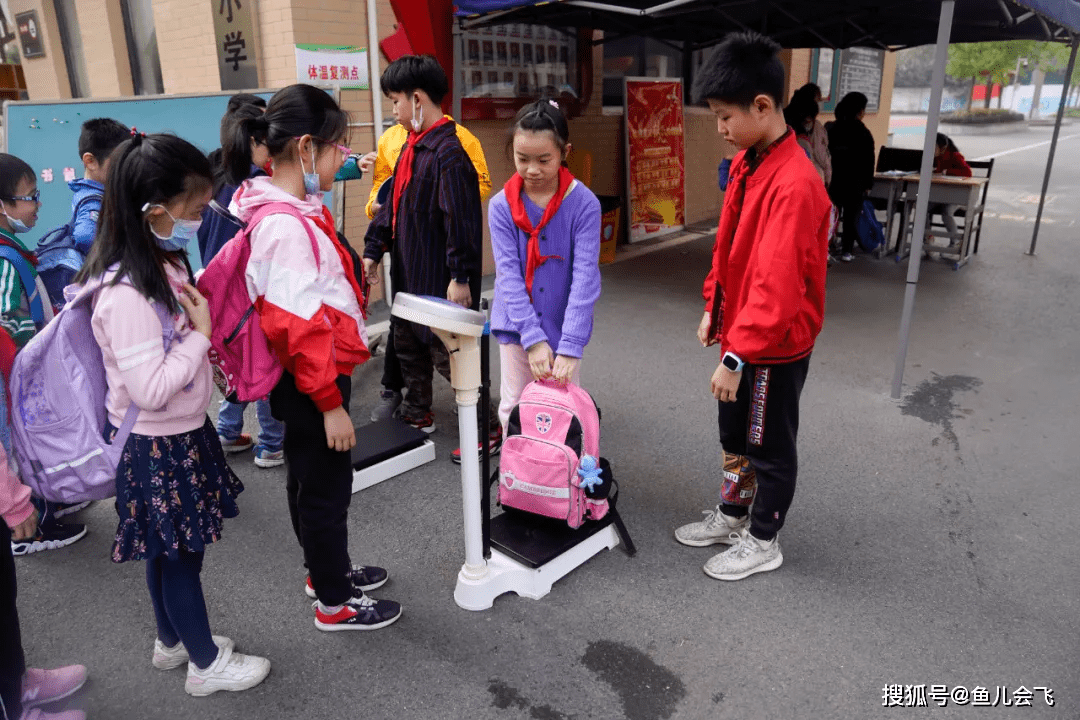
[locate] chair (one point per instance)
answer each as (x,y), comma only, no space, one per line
(890,158)
(978,210)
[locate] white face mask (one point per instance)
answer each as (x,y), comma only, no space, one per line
(417,124)
(16,225)
(183,231)
(312,182)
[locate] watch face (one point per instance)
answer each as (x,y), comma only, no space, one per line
(730,363)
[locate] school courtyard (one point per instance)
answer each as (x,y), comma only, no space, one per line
(932,541)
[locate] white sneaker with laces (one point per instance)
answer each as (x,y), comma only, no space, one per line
(231,671)
(168,658)
(715,528)
(746,556)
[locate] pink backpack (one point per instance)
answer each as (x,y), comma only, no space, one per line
(245,366)
(553,433)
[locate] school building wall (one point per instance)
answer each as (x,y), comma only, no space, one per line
(188,55)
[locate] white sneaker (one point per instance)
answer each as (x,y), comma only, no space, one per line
(168,658)
(746,556)
(715,528)
(231,671)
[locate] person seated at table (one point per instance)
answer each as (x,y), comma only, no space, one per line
(948,160)
(852,148)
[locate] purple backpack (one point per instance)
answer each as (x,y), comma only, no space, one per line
(552,442)
(58,406)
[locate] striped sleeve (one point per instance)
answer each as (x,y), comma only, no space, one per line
(14,317)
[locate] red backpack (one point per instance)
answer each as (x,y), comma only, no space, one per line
(245,366)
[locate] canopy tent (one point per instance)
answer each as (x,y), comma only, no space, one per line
(888,24)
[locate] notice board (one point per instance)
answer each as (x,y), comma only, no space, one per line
(46,135)
(856,69)
(655,161)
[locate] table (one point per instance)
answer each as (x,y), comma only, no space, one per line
(944,189)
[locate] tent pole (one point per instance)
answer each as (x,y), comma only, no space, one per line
(1054,140)
(922,201)
(456,74)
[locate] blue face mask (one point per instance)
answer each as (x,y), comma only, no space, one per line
(312,183)
(16,225)
(183,232)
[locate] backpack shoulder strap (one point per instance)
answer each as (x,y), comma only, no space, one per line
(30,287)
(282,208)
(82,201)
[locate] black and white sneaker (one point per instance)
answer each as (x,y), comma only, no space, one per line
(364,578)
(59,510)
(51,536)
(358,613)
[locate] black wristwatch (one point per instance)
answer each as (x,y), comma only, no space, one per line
(732,362)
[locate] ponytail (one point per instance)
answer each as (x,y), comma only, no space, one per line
(294,111)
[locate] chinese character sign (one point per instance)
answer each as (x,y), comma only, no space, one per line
(655,164)
(234,32)
(336,65)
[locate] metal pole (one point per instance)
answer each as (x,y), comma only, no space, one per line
(1054,140)
(922,199)
(457,74)
(373,65)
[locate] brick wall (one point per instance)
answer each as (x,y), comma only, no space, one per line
(46,77)
(101,23)
(187,45)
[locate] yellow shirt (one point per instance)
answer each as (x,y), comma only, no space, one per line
(393,140)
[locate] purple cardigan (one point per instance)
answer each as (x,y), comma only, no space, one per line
(564,291)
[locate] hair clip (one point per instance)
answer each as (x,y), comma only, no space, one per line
(135,132)
(554,104)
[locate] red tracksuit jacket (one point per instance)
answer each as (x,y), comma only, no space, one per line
(766,288)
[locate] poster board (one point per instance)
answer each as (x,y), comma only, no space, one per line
(655,157)
(857,69)
(46,135)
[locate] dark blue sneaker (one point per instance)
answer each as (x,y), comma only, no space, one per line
(358,613)
(364,578)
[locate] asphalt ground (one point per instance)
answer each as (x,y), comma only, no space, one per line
(932,541)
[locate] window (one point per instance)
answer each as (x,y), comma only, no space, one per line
(637,57)
(71,41)
(142,47)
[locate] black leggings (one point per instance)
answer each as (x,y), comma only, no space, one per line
(12,661)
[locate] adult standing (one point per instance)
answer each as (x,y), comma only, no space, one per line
(852,148)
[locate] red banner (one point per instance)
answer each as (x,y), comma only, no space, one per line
(655,166)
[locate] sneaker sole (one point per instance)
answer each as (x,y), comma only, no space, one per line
(204,690)
(46,545)
(705,543)
(259,462)
(335,627)
(38,702)
(77,507)
(234,450)
(310,591)
(771,565)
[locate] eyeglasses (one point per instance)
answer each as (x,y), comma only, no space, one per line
(345,151)
(36,197)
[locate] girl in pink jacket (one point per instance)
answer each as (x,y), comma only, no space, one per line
(173,486)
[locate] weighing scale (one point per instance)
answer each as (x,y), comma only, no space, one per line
(514,552)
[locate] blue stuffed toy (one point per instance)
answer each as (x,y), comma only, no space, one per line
(590,473)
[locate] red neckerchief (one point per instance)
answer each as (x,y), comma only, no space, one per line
(326,223)
(403,173)
(513,190)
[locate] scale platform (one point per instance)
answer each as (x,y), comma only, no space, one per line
(386,449)
(534,540)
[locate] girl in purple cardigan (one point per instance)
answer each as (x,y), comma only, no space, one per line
(545,236)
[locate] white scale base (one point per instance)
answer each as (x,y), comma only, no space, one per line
(394,466)
(477,591)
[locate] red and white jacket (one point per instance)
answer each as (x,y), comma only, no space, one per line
(766,288)
(309,312)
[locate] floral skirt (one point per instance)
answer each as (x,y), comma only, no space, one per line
(172,492)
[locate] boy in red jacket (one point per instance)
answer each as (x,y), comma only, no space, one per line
(764,303)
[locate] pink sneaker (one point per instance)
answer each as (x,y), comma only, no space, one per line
(35,714)
(41,687)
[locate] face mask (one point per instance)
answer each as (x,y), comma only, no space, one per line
(183,232)
(312,183)
(17,225)
(417,124)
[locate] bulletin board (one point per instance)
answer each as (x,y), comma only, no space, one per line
(838,72)
(46,135)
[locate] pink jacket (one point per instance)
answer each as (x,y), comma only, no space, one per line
(173,389)
(15,503)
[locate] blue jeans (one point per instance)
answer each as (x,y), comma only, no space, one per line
(230,423)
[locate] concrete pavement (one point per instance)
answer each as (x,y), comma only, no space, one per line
(932,541)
